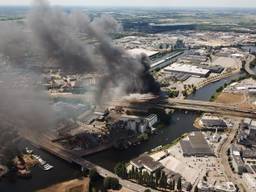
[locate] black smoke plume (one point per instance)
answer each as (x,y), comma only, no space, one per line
(54,38)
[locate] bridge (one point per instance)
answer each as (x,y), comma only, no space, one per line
(192,105)
(45,143)
(211,107)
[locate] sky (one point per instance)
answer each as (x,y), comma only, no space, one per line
(160,3)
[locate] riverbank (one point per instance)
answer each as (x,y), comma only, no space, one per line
(81,185)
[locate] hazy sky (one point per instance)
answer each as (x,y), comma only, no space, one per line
(173,3)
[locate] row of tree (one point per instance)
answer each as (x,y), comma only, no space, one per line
(157,180)
(108,182)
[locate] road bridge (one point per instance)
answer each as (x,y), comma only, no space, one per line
(58,150)
(192,105)
(212,107)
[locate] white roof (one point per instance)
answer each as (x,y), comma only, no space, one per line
(253,123)
(178,67)
(178,166)
(236,153)
(139,51)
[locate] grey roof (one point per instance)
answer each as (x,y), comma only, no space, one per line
(214,123)
(146,162)
(253,124)
(247,121)
(196,145)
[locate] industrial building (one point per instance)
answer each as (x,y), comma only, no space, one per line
(212,122)
(247,133)
(237,161)
(188,69)
(248,88)
(203,186)
(151,119)
(146,163)
(157,28)
(139,124)
(139,51)
(196,145)
(250,181)
(134,123)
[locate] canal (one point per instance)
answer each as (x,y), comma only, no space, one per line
(181,122)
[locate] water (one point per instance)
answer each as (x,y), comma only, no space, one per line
(205,93)
(62,171)
(180,123)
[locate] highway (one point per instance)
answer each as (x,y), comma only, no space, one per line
(206,106)
(222,155)
(191,105)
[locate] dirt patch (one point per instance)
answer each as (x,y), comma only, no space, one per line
(232,98)
(75,185)
(238,99)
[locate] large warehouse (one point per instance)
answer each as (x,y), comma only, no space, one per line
(195,145)
(188,69)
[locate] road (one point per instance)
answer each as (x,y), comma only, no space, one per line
(193,105)
(222,155)
(216,78)
(247,66)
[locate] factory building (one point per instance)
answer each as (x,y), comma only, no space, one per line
(157,28)
(135,123)
(187,69)
(146,163)
(237,161)
(139,51)
(195,145)
(251,126)
(212,122)
(151,119)
(249,88)
(203,186)
(250,181)
(139,124)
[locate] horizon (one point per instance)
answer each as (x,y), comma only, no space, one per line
(130,6)
(140,3)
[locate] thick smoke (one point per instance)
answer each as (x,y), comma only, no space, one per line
(56,34)
(54,37)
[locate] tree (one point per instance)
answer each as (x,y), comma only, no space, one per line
(121,171)
(140,178)
(151,181)
(158,176)
(172,185)
(111,183)
(194,89)
(93,175)
(145,176)
(179,186)
(184,93)
(163,181)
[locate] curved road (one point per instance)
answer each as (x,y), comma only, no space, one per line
(222,154)
(247,66)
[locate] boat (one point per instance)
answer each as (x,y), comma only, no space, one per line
(43,164)
(28,151)
(47,167)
